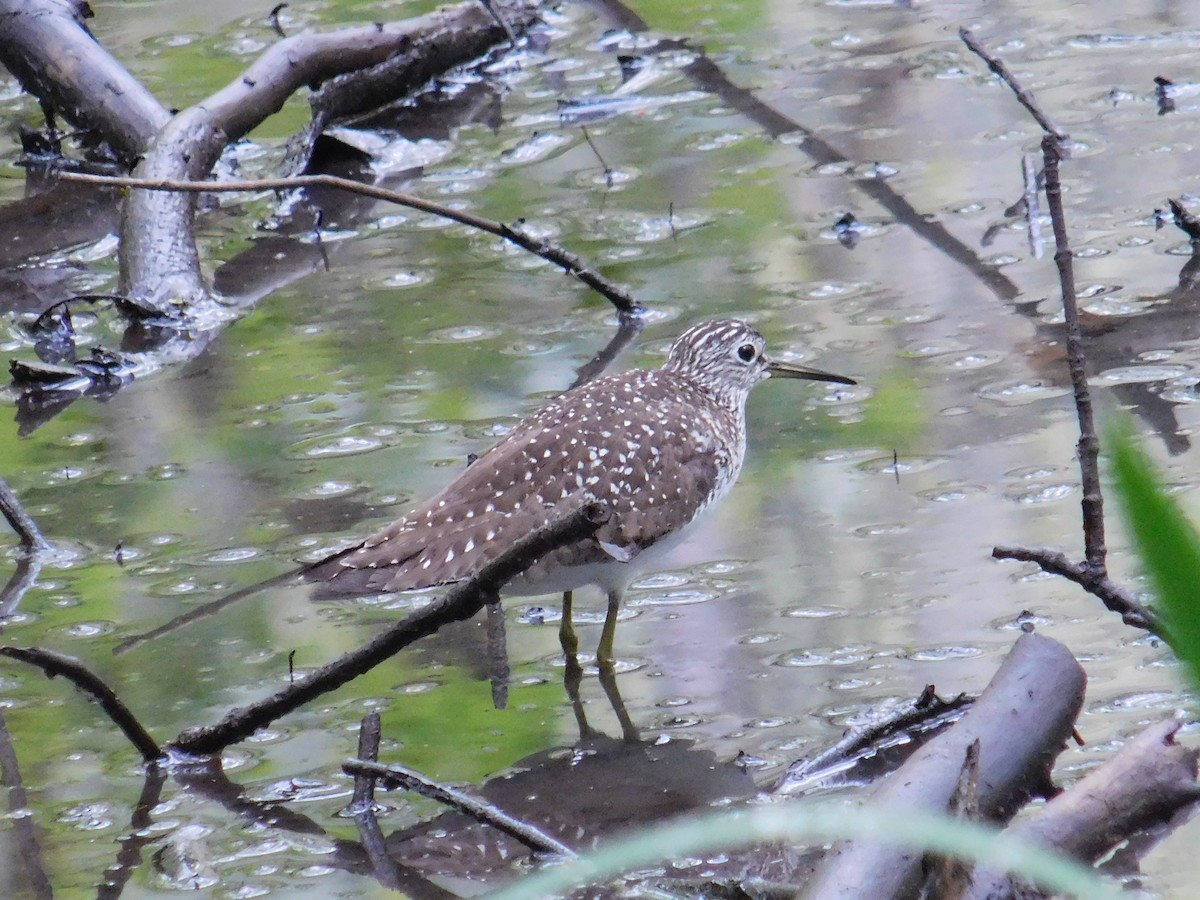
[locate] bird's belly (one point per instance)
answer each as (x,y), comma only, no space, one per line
(551,576)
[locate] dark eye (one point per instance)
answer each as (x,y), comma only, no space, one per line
(746,352)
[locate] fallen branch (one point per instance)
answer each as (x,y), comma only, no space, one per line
(564,259)
(529,835)
(1021,720)
(1149,780)
(51,52)
(160,260)
(1115,597)
(90,683)
(463,601)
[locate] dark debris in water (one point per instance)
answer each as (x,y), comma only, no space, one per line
(48,388)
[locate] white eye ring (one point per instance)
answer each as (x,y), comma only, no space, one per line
(747,352)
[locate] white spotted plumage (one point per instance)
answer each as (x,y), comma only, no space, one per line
(658,446)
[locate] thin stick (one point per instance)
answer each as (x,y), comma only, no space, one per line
(1115,597)
(1092,573)
(368,749)
(529,835)
(1089,444)
(564,259)
(89,682)
(1024,97)
(463,601)
(608,172)
(22,523)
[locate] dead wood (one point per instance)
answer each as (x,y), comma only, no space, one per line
(160,261)
(1149,780)
(1115,597)
(1021,721)
(461,602)
(46,45)
(401,776)
(90,683)
(1092,572)
(1024,97)
(878,747)
(514,234)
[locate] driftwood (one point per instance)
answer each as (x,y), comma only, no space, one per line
(1021,722)
(49,49)
(1142,786)
(160,262)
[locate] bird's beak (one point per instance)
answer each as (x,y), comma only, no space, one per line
(779,369)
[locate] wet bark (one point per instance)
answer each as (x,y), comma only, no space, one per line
(159,261)
(1149,780)
(46,45)
(1021,721)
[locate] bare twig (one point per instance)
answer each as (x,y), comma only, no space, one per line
(1024,97)
(1092,573)
(1116,598)
(368,749)
(529,835)
(22,523)
(1089,444)
(90,683)
(462,602)
(564,259)
(608,172)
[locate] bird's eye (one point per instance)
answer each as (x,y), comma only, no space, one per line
(746,352)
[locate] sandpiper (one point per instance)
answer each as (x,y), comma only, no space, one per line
(659,446)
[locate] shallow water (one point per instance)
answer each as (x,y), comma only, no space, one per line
(832,581)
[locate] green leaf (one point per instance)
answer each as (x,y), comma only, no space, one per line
(1166,542)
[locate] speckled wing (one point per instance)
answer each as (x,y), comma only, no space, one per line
(653,466)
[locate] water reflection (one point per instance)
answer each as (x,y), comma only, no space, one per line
(836,587)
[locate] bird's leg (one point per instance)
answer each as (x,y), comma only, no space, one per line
(567,638)
(608,681)
(604,653)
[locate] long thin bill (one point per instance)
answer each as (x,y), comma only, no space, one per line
(787,370)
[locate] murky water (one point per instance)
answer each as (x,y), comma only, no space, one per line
(831,581)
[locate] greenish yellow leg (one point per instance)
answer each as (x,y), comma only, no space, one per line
(604,653)
(567,637)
